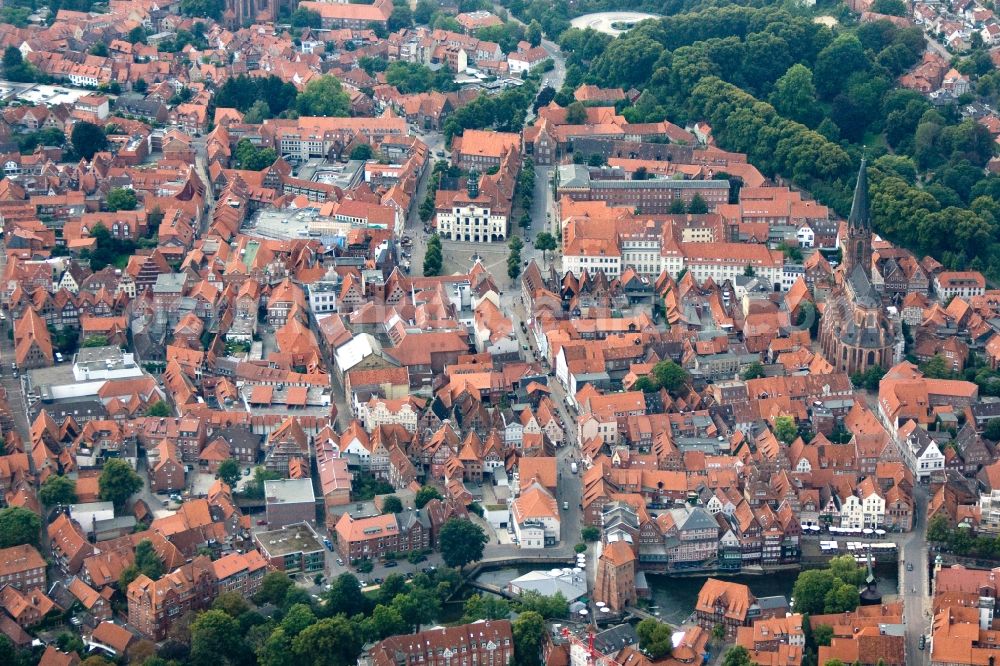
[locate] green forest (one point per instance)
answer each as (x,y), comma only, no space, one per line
(804,101)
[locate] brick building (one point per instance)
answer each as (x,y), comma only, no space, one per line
(376,536)
(22,567)
(732,605)
(486,643)
(289,501)
(650,197)
(166,471)
(240,572)
(616,576)
(292,548)
(154,605)
(483,150)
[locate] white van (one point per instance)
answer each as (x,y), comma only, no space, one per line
(573,467)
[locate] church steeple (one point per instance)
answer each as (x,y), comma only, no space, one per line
(860,217)
(858,246)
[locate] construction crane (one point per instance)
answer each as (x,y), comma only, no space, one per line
(581,653)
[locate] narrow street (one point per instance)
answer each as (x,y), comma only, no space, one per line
(914,586)
(12,384)
(202,171)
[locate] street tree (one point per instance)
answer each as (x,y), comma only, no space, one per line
(462,542)
(118,482)
(87,139)
(545,242)
(58,490)
(387,621)
(785,429)
(529,633)
(392,504)
(345,596)
(737,656)
(425,495)
(323,96)
(418,606)
(121,198)
(753,371)
(698,206)
(229,472)
(159,409)
(655,638)
(147,561)
(19,526)
(485,607)
(273,587)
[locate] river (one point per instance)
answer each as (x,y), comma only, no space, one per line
(675,597)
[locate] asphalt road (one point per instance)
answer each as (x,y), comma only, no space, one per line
(15,391)
(914,586)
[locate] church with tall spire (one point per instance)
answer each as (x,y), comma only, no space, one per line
(855,334)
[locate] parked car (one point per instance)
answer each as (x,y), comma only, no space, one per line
(391,563)
(340,562)
(909,567)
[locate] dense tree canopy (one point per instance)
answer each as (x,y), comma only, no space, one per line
(830,590)
(828,91)
(243,92)
(121,198)
(666,375)
(306,18)
(323,96)
(410,77)
(18,526)
(253,158)
(203,8)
